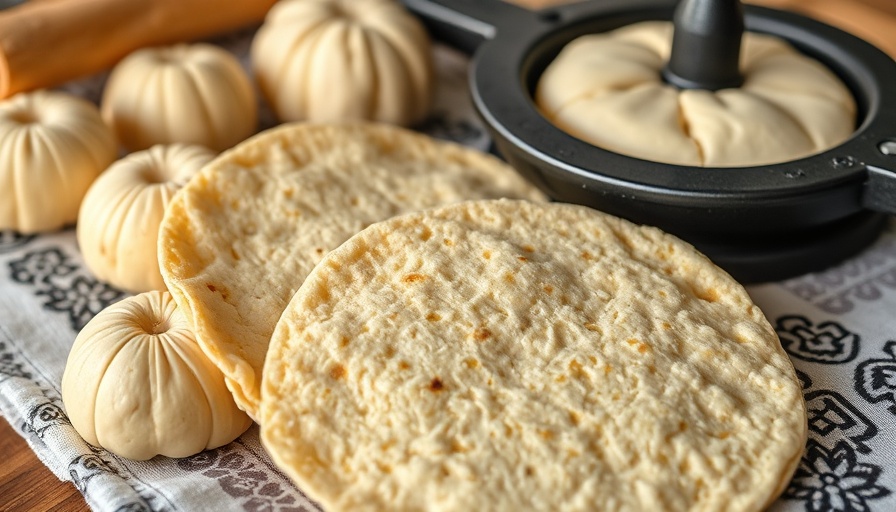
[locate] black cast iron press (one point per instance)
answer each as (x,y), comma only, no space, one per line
(759,223)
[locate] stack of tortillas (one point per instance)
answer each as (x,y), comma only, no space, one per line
(492,354)
(508,355)
(240,237)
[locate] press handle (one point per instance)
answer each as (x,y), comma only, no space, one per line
(706,45)
(466,24)
(880,187)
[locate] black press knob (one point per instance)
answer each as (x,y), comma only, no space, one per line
(706,45)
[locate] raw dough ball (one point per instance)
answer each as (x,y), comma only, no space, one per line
(119,221)
(52,146)
(195,94)
(334,60)
(137,384)
(607,89)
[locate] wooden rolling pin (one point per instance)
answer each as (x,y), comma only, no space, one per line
(872,20)
(47,42)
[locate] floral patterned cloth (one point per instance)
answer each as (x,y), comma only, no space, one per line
(839,328)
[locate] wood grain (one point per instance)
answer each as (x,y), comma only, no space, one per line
(26,484)
(872,20)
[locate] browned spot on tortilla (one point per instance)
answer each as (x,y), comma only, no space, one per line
(456,447)
(708,294)
(413,278)
(576,369)
(433,317)
(337,372)
(436,385)
(482,334)
(592,327)
(625,240)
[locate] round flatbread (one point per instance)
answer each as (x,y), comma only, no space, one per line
(507,355)
(239,239)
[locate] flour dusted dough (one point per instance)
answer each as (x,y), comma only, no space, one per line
(241,236)
(341,60)
(185,93)
(607,89)
(506,355)
(52,146)
(136,384)
(118,223)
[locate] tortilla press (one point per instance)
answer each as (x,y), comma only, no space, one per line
(759,223)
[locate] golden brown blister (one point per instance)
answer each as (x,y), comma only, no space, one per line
(519,356)
(239,239)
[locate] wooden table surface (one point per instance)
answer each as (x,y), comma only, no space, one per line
(27,485)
